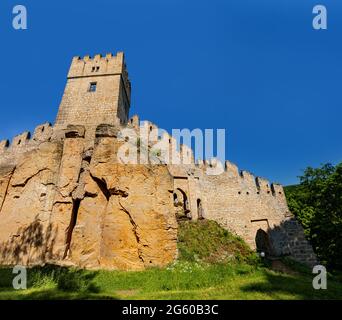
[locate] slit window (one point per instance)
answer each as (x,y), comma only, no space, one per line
(92,87)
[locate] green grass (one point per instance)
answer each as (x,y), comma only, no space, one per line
(206,241)
(181,281)
(213,264)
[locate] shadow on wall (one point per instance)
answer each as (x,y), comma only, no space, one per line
(288,239)
(29,245)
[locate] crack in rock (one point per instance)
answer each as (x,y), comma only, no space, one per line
(74,213)
(24,183)
(7,187)
(134,228)
(108,192)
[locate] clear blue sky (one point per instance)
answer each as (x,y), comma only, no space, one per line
(256,68)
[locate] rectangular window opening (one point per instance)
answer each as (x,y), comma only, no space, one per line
(92,87)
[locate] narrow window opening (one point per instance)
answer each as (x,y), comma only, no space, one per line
(175,199)
(92,87)
(200,209)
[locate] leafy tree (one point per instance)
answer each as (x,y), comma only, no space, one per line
(317,203)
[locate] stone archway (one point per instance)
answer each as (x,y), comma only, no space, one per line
(181,202)
(262,242)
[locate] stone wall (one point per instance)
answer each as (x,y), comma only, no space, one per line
(62,203)
(244,204)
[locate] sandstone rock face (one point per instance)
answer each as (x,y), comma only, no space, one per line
(126,218)
(27,195)
(63,204)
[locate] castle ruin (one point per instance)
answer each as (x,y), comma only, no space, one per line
(66,198)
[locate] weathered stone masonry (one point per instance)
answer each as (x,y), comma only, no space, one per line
(66,198)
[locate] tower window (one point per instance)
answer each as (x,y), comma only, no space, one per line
(92,87)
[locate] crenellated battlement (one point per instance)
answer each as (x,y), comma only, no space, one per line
(246,180)
(231,169)
(4,144)
(21,140)
(278,189)
(25,141)
(134,122)
(42,132)
(263,185)
(101,66)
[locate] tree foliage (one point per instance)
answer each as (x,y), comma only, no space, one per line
(317,203)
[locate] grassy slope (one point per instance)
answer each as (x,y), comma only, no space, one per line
(213,264)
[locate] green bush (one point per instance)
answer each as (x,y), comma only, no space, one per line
(317,203)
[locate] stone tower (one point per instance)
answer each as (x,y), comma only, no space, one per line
(97,92)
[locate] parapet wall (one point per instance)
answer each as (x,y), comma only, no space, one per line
(236,199)
(24,142)
(159,141)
